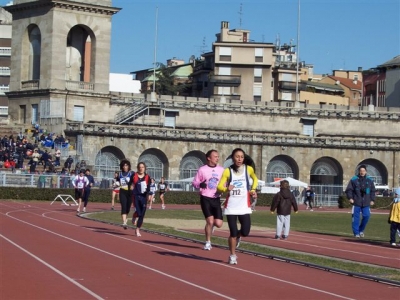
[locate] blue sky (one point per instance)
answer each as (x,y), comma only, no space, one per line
(334,34)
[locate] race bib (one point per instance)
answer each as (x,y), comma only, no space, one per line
(143,187)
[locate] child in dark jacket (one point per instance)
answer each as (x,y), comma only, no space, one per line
(283,202)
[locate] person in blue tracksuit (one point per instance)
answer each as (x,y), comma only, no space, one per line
(361,193)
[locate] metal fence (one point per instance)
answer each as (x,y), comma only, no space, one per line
(325,195)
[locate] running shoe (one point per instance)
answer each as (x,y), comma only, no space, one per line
(284,237)
(277,237)
(232,260)
(357,236)
(84,209)
(125,225)
(362,234)
(163,206)
(238,240)
(207,246)
(393,244)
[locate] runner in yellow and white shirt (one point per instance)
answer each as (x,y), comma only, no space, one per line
(236,181)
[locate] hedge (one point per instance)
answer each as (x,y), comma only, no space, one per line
(171,197)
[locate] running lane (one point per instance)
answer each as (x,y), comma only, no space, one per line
(78,258)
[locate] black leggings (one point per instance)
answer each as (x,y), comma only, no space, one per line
(125,198)
(140,205)
(244,221)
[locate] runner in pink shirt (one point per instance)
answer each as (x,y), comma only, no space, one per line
(206,180)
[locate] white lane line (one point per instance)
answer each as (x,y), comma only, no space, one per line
(54,269)
(127,260)
(239,269)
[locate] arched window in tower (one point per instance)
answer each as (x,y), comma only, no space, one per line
(78,55)
(34,53)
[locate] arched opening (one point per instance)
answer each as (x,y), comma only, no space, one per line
(79,54)
(107,161)
(326,179)
(156,161)
(282,166)
(376,170)
(35,41)
(326,170)
(190,163)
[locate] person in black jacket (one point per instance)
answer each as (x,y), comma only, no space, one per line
(283,202)
(361,194)
(87,188)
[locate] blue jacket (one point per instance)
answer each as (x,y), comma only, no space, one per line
(361,189)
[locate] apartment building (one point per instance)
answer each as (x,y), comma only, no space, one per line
(382,84)
(5,60)
(237,69)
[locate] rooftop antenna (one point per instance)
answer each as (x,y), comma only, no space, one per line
(240,15)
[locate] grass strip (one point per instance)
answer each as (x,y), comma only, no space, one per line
(321,224)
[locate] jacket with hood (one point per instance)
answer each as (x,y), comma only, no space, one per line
(362,190)
(283,202)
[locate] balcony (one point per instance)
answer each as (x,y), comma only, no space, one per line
(202,67)
(4,89)
(226,80)
(291,86)
(79,85)
(30,85)
(5,51)
(5,71)
(228,98)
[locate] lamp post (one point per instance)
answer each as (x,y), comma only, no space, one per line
(153,97)
(297,102)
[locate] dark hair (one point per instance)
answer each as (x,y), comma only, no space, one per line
(87,170)
(362,167)
(284,184)
(123,162)
(141,163)
(208,154)
(233,166)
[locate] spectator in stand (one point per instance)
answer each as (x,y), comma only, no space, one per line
(83,164)
(87,188)
(45,159)
(57,156)
(68,163)
(42,180)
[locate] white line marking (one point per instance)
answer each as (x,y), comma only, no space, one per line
(127,260)
(239,269)
(54,269)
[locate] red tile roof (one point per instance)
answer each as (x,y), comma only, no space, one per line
(348,82)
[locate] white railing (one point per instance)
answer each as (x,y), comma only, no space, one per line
(5,51)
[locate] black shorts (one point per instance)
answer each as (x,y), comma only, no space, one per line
(211,207)
(79,193)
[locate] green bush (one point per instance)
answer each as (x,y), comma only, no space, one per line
(104,196)
(380,202)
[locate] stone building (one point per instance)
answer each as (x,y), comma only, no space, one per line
(60,63)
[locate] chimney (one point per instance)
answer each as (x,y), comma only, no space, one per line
(359,69)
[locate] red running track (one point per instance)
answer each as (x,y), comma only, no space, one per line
(47,252)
